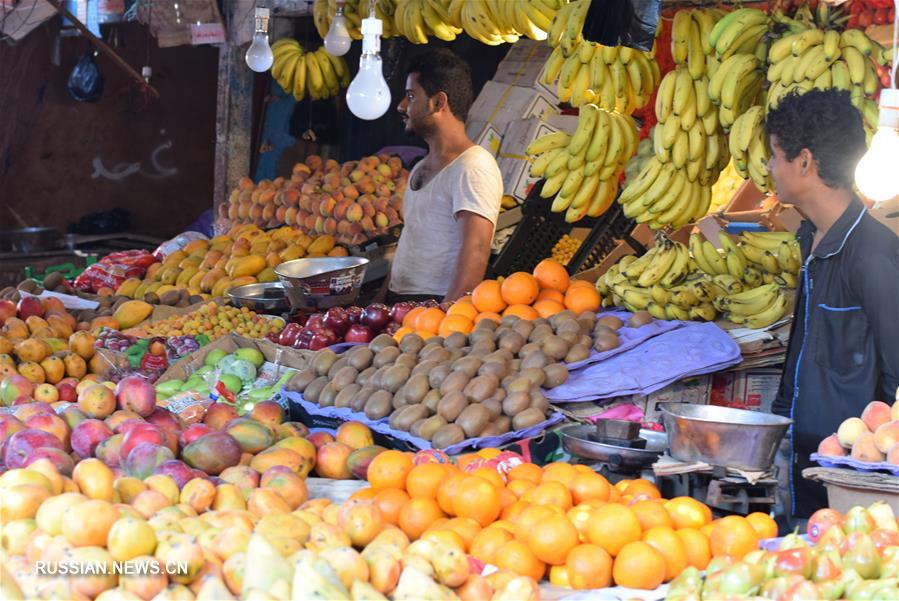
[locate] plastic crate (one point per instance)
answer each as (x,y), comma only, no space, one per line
(540,229)
(69,270)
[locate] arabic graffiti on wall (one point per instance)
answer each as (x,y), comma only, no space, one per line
(121,171)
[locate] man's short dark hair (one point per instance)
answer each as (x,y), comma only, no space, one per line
(440,70)
(828,125)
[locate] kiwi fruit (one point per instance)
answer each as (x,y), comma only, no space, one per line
(399,399)
(360,357)
(606,342)
(395,376)
(512,342)
(424,367)
(494,368)
(386,356)
(456,340)
(586,320)
(481,388)
(412,343)
(343,377)
(323,361)
(361,398)
(451,405)
(578,352)
(509,320)
(556,375)
(365,375)
(300,380)
(378,405)
(53,280)
(504,423)
(374,380)
(150,297)
(555,348)
(515,403)
(430,427)
(415,430)
(448,435)
(570,337)
(499,396)
(337,366)
(457,380)
(195,298)
(639,319)
(537,360)
(610,321)
(530,347)
(314,389)
(490,431)
(540,332)
(585,340)
(601,329)
(405,417)
(527,418)
(473,419)
(456,354)
(467,365)
(381,341)
(407,360)
(416,388)
(569,325)
(499,355)
(170,298)
(326,396)
(486,324)
(432,398)
(518,383)
(439,374)
(482,348)
(494,407)
(345,397)
(523,327)
(437,354)
(538,401)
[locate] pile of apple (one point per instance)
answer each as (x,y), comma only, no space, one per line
(339,324)
(874,437)
(855,556)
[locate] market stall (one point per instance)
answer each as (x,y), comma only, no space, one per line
(236,416)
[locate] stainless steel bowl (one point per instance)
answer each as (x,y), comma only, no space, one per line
(29,239)
(576,440)
(737,438)
(268,297)
(324,282)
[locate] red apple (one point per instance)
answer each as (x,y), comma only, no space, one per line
(30,305)
(288,336)
(376,316)
(315,322)
(359,333)
(398,311)
(355,314)
(337,320)
(323,338)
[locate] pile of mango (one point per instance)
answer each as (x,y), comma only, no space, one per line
(245,255)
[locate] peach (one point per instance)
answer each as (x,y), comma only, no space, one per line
(326,207)
(831,446)
(893,454)
(886,436)
(875,414)
(850,430)
(864,449)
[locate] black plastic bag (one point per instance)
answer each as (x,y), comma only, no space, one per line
(86,81)
(629,23)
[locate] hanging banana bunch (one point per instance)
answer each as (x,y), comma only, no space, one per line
(316,74)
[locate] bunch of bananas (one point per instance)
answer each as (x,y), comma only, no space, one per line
(749,147)
(566,29)
(614,77)
(417,19)
(729,182)
(564,249)
(760,258)
(755,308)
(665,281)
(493,22)
(582,170)
(323,12)
(316,74)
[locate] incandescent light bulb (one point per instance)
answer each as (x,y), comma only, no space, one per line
(259,55)
(875,174)
(338,40)
(368,96)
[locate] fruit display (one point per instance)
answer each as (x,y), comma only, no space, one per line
(582,170)
(872,437)
(760,257)
(856,556)
(723,191)
(147,357)
(213,320)
(349,202)
(565,249)
(448,390)
(864,13)
(316,74)
(336,325)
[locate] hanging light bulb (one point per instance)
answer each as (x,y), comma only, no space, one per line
(338,40)
(368,96)
(259,54)
(875,174)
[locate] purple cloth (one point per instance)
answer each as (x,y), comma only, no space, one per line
(628,338)
(382,426)
(408,154)
(693,349)
(862,466)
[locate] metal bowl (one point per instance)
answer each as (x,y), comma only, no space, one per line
(319,283)
(576,440)
(268,297)
(29,239)
(736,438)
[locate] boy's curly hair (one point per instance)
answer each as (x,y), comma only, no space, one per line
(828,125)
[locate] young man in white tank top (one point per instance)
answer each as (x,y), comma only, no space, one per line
(452,200)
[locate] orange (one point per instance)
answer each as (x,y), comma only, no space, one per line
(517,557)
(478,499)
(490,475)
(643,487)
(550,294)
(401,333)
(589,567)
(589,486)
(707,529)
(666,541)
(696,545)
(467,528)
(389,470)
(651,514)
(411,317)
(445,537)
(551,539)
(549,493)
(612,526)
(520,288)
(551,274)
(582,298)
(558,575)
(417,515)
(687,512)
(763,524)
(512,511)
(390,501)
(559,472)
(487,297)
(465,460)
(423,480)
(487,542)
(506,497)
(463,308)
(547,308)
(447,491)
(489,453)
(579,284)
(522,311)
(733,535)
(525,520)
(429,320)
(526,471)
(580,517)
(363,494)
(638,565)
(519,487)
(487,315)
(455,323)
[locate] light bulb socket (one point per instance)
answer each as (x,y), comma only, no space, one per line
(372,29)
(262,17)
(889,108)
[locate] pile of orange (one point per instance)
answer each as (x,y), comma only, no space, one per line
(543,293)
(561,521)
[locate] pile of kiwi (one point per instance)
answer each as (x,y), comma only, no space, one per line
(447,390)
(605,332)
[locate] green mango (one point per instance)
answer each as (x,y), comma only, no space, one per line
(231,382)
(214,356)
(169,387)
(252,355)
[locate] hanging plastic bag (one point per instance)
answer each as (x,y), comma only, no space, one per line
(86,80)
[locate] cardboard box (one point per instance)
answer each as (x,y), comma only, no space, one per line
(512,160)
(641,234)
(498,104)
(694,390)
(752,389)
(523,66)
(847,488)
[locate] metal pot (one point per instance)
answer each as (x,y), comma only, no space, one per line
(267,297)
(322,282)
(723,436)
(29,239)
(576,439)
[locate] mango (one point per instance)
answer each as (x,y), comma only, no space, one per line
(322,244)
(131,313)
(294,251)
(128,287)
(267,275)
(221,286)
(212,453)
(196,279)
(209,280)
(251,435)
(249,265)
(360,459)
